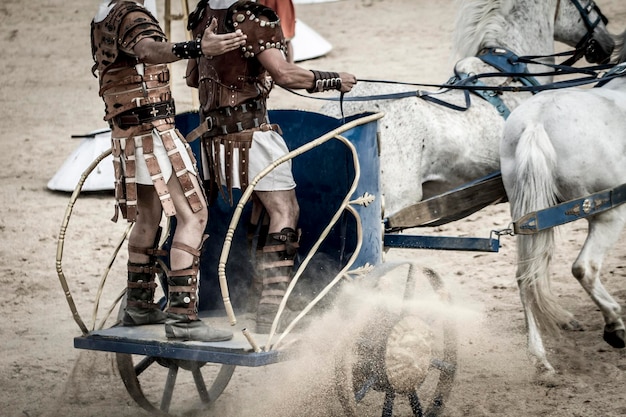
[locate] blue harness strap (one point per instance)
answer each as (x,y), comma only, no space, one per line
(569,211)
(618,70)
(504,61)
(491,96)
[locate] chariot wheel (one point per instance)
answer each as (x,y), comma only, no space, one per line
(158,385)
(406,356)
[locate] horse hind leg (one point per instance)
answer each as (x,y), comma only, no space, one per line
(604,231)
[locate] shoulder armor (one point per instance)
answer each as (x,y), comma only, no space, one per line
(108,35)
(260,23)
(137,26)
(197,15)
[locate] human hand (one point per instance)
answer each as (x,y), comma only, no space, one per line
(214,44)
(347,81)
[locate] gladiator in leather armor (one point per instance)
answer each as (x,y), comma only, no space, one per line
(233,87)
(112,40)
(138,102)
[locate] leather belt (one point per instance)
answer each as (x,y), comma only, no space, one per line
(229,120)
(145,114)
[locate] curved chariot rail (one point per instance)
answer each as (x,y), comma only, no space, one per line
(364,200)
(59,255)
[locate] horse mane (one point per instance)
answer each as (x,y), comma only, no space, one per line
(478,22)
(619,54)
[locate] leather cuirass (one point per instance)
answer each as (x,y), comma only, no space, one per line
(236,77)
(125,84)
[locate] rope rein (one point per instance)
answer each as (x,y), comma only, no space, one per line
(471,83)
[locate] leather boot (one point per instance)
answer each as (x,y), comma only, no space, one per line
(140,306)
(182,307)
(277,266)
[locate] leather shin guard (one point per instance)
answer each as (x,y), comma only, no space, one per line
(182,307)
(277,264)
(141,285)
(183,287)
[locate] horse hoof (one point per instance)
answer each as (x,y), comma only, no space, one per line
(545,375)
(547,379)
(615,338)
(572,325)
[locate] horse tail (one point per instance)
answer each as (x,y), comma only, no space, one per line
(534,189)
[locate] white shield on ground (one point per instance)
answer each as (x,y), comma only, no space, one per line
(91,147)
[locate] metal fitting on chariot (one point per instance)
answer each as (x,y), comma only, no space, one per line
(187,50)
(325,81)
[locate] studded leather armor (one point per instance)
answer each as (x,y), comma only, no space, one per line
(128,87)
(236,77)
(233,87)
(138,106)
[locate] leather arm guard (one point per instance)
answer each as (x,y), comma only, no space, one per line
(186,50)
(325,81)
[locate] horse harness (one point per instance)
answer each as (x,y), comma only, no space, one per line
(504,61)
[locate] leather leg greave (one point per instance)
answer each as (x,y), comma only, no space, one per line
(141,286)
(183,287)
(277,265)
(182,307)
(140,306)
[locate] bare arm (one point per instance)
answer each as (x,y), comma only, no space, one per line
(293,76)
(150,51)
(191,73)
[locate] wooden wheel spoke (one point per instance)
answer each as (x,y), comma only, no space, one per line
(201,386)
(365,388)
(143,382)
(390,397)
(168,390)
(443,365)
(144,364)
(416,406)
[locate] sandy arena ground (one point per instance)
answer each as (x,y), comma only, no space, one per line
(48,94)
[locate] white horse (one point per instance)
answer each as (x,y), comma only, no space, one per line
(428,148)
(562,145)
